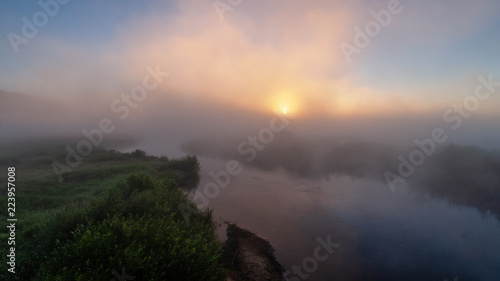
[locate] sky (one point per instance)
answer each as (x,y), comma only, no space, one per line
(257,57)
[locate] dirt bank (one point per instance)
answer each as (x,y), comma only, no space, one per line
(248,257)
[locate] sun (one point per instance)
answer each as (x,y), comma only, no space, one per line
(284,109)
(284,102)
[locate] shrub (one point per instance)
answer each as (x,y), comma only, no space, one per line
(151,248)
(137,226)
(139,154)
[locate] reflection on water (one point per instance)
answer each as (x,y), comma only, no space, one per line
(383,235)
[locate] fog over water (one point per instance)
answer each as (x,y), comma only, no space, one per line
(392,149)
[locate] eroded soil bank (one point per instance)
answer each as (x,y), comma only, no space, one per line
(249,257)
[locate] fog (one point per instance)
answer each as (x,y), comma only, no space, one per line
(310,147)
(367,146)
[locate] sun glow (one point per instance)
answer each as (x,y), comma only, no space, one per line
(284,109)
(285,103)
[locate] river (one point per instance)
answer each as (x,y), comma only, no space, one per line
(383,235)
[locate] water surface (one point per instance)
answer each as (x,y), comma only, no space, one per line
(403,235)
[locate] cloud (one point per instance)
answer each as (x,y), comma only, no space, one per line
(264,55)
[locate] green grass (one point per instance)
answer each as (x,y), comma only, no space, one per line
(116,210)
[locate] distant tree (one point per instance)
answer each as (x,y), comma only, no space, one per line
(139,154)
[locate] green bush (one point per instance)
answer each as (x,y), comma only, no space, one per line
(187,168)
(137,225)
(150,247)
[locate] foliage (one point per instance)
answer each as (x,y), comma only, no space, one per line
(69,233)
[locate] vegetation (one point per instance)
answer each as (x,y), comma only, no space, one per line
(117,213)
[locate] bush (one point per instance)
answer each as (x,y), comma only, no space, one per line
(188,169)
(152,248)
(139,154)
(137,226)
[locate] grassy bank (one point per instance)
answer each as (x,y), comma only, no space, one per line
(116,216)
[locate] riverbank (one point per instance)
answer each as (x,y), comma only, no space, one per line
(247,256)
(119,212)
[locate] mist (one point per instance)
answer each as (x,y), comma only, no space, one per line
(357,120)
